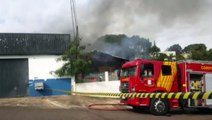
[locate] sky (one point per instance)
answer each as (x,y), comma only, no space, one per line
(167,22)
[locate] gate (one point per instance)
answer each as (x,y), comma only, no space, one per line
(13,77)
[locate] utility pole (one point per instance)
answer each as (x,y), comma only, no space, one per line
(74,19)
(75,36)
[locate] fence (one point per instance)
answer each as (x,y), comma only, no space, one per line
(49,87)
(110,83)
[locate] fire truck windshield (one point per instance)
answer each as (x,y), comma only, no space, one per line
(130,71)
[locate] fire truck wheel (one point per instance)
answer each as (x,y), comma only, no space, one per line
(159,106)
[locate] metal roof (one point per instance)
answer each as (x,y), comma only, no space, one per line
(33,43)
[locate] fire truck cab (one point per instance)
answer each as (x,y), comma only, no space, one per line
(148,76)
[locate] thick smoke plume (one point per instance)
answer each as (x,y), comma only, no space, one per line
(167,21)
(141,17)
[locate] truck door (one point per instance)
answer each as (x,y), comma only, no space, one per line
(146,77)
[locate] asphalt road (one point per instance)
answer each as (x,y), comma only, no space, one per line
(22,113)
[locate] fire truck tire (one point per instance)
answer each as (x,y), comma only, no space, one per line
(159,106)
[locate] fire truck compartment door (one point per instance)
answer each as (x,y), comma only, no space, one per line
(208,83)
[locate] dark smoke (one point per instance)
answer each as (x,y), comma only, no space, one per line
(107,16)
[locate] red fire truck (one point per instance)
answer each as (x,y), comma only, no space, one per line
(150,76)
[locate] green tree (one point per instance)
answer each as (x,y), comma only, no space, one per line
(176,47)
(161,57)
(198,51)
(195,47)
(179,57)
(154,52)
(209,56)
(76,61)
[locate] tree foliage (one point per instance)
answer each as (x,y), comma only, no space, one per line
(76,61)
(154,49)
(154,52)
(161,57)
(209,54)
(198,52)
(195,47)
(179,57)
(176,47)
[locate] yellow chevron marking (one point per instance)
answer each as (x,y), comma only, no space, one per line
(151,95)
(137,95)
(195,95)
(206,95)
(167,81)
(174,71)
(133,96)
(163,95)
(146,95)
(172,76)
(160,80)
(178,95)
(142,95)
(170,95)
(157,95)
(186,95)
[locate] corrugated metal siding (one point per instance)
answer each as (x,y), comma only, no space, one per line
(33,44)
(13,77)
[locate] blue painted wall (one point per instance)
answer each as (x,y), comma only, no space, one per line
(51,87)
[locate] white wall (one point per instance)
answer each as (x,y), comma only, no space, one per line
(40,67)
(43,67)
(108,86)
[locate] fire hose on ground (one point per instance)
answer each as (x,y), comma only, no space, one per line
(107,107)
